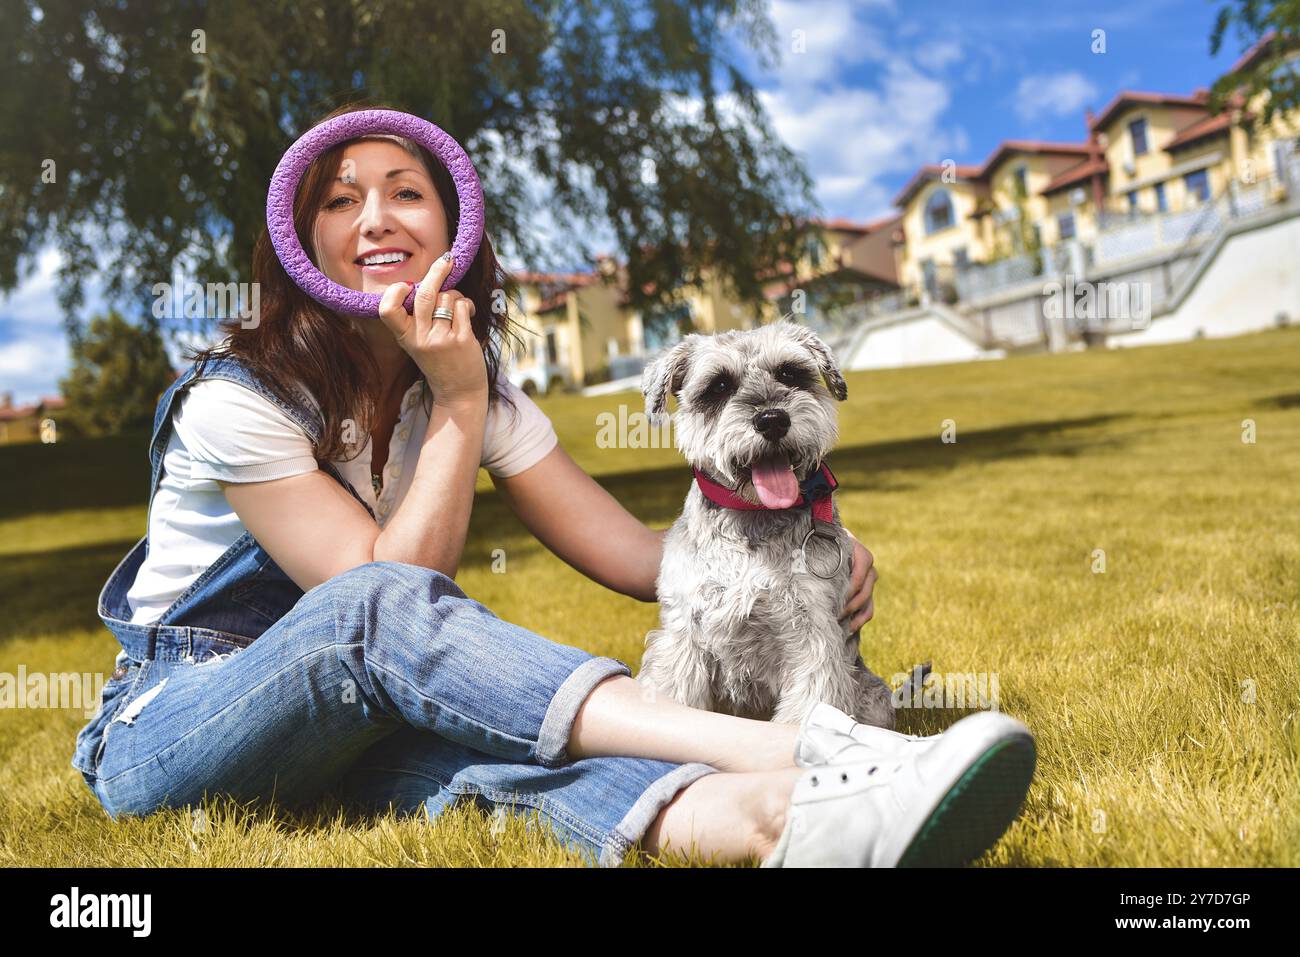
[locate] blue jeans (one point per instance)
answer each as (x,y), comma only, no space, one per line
(389,683)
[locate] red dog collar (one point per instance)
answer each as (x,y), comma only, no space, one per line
(815,490)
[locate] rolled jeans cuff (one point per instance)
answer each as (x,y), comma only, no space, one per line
(641,815)
(557,724)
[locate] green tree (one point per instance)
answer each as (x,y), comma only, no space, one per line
(118,371)
(1255,20)
(164,120)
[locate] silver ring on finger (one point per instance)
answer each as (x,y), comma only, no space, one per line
(442,312)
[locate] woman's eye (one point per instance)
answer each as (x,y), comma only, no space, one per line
(336,202)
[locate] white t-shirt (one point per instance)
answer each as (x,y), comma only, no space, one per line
(224,430)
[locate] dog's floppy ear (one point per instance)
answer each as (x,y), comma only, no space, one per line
(665,375)
(826,362)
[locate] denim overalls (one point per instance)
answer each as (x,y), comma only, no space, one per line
(386,680)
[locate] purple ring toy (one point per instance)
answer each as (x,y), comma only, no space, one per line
(296,159)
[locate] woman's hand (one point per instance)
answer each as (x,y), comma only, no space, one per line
(447,352)
(861,605)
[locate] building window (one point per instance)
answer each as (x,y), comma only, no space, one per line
(1022,181)
(938,211)
(1137,131)
(1160,198)
(1284,153)
(929,277)
(1198,184)
(959,257)
(1065,226)
(815,251)
(1132,201)
(551,353)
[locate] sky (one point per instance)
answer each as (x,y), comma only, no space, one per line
(883,86)
(865,92)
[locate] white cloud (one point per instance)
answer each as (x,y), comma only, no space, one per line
(937,55)
(1053,94)
(865,102)
(818,40)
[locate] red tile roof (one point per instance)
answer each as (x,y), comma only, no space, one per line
(1007,147)
(1205,127)
(878,224)
(982,172)
(932,171)
(848,226)
(1129,97)
(1077,174)
(48,403)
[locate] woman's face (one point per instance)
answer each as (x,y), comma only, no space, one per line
(381,221)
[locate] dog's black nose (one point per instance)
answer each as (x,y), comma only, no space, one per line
(773,423)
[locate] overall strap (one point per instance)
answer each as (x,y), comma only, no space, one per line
(301,410)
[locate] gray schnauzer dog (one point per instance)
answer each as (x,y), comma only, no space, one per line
(757,569)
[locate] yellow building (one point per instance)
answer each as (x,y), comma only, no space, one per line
(940,230)
(1164,152)
(844,262)
(1017,216)
(1145,153)
(571,323)
(27,423)
(1265,152)
(1073,198)
(953,216)
(578,328)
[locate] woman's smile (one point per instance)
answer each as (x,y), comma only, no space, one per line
(383,261)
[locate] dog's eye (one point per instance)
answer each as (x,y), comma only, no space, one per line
(789,374)
(719,386)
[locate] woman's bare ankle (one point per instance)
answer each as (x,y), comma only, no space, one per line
(729,817)
(771,809)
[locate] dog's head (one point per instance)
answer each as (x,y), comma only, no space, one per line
(755,410)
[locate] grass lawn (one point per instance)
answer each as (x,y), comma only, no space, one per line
(1163,691)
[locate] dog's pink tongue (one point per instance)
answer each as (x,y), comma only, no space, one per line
(775,483)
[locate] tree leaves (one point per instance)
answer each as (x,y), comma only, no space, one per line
(118,371)
(165,140)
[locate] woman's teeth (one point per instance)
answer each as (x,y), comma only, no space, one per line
(383,258)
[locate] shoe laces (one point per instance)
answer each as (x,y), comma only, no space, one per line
(843,771)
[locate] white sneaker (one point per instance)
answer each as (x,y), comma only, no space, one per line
(940,806)
(813,748)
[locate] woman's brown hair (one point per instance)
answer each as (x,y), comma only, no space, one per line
(296,338)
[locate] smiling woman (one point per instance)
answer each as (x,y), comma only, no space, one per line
(301,343)
(355,126)
(287,628)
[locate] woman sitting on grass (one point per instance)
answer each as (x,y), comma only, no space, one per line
(290,623)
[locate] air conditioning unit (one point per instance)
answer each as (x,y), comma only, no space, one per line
(1077,196)
(1130,168)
